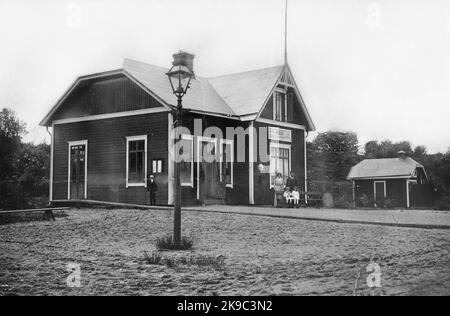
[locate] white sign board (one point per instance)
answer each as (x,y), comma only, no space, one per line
(280,134)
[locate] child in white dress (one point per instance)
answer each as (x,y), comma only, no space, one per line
(296,197)
(287,196)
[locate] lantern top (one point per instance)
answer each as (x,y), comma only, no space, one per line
(183,58)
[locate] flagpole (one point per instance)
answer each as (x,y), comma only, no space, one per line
(285,33)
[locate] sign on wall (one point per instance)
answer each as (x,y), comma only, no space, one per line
(280,134)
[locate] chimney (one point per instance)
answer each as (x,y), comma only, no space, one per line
(184,59)
(401,154)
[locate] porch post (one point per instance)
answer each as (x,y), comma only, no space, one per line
(251,184)
(407,193)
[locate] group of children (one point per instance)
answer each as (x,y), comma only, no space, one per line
(292,198)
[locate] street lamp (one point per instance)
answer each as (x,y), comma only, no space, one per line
(180,76)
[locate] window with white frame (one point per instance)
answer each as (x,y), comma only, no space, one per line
(187,162)
(279,106)
(136,161)
(280,161)
(283,105)
(227,162)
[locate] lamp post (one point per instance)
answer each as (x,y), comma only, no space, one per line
(180,76)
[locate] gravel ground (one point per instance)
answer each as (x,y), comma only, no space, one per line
(263,256)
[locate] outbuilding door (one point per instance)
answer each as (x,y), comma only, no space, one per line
(77,170)
(379,191)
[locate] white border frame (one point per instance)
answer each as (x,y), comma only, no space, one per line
(283,146)
(77,143)
(375,189)
(227,142)
(130,139)
(191,138)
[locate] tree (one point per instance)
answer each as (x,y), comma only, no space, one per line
(331,155)
(11,132)
(386,149)
(34,165)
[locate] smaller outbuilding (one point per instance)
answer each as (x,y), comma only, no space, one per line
(391,182)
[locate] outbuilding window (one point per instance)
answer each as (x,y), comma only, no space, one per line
(136,161)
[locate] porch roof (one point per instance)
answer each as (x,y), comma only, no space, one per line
(384,168)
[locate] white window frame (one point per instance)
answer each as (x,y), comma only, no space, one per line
(191,138)
(375,189)
(77,143)
(278,146)
(131,139)
(227,142)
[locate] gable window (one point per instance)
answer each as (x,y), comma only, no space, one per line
(226,163)
(136,161)
(279,106)
(280,161)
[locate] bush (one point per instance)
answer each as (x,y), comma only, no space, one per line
(443,203)
(166,243)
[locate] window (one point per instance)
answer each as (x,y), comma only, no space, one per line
(187,162)
(136,161)
(283,106)
(157,166)
(280,161)
(279,106)
(227,162)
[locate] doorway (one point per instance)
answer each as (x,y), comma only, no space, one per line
(77,180)
(379,193)
(210,189)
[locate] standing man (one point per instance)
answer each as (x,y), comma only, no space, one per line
(152,188)
(291,182)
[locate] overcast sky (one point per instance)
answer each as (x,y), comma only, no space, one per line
(378,68)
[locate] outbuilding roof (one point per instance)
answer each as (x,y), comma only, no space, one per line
(384,168)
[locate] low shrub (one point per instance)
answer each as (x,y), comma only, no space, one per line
(154,259)
(166,243)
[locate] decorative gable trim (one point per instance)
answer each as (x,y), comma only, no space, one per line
(286,79)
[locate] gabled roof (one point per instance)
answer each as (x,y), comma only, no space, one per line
(384,168)
(246,92)
(201,95)
(241,95)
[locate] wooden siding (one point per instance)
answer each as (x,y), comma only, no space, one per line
(395,190)
(239,193)
(107,156)
(101,96)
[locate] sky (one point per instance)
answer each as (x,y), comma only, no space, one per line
(380,68)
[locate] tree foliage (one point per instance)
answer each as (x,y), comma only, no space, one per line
(23,167)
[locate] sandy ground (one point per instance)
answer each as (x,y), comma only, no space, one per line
(263,256)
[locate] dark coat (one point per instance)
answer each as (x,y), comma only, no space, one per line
(152,187)
(291,183)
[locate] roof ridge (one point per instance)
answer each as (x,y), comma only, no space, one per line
(245,72)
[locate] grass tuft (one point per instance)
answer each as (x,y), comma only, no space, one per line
(166,243)
(154,259)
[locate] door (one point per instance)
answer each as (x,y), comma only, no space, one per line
(77,171)
(379,192)
(211,188)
